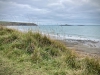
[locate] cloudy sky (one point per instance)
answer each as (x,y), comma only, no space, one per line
(51,11)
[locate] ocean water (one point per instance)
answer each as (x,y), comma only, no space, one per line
(66,32)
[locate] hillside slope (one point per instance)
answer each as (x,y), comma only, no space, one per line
(31,53)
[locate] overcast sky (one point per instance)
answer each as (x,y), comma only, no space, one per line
(51,11)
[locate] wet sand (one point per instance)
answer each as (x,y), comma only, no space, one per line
(87,47)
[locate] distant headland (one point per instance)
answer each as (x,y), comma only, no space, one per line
(5,23)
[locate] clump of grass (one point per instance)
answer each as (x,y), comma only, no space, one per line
(18,45)
(4,30)
(52,51)
(60,73)
(42,40)
(46,41)
(30,49)
(71,60)
(92,66)
(36,55)
(9,39)
(14,54)
(59,45)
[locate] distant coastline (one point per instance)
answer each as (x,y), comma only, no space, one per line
(5,23)
(78,25)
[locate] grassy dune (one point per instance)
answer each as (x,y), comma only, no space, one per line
(31,53)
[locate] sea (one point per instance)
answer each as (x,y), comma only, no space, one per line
(65,32)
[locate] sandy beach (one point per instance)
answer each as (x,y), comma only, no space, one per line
(84,47)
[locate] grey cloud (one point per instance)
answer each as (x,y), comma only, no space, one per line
(69,11)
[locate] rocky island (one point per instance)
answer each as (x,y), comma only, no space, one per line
(66,25)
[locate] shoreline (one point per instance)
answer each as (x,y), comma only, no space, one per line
(82,46)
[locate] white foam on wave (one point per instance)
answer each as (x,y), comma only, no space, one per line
(80,38)
(72,37)
(89,42)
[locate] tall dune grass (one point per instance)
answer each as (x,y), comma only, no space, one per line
(36,54)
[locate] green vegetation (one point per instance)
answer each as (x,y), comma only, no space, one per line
(31,53)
